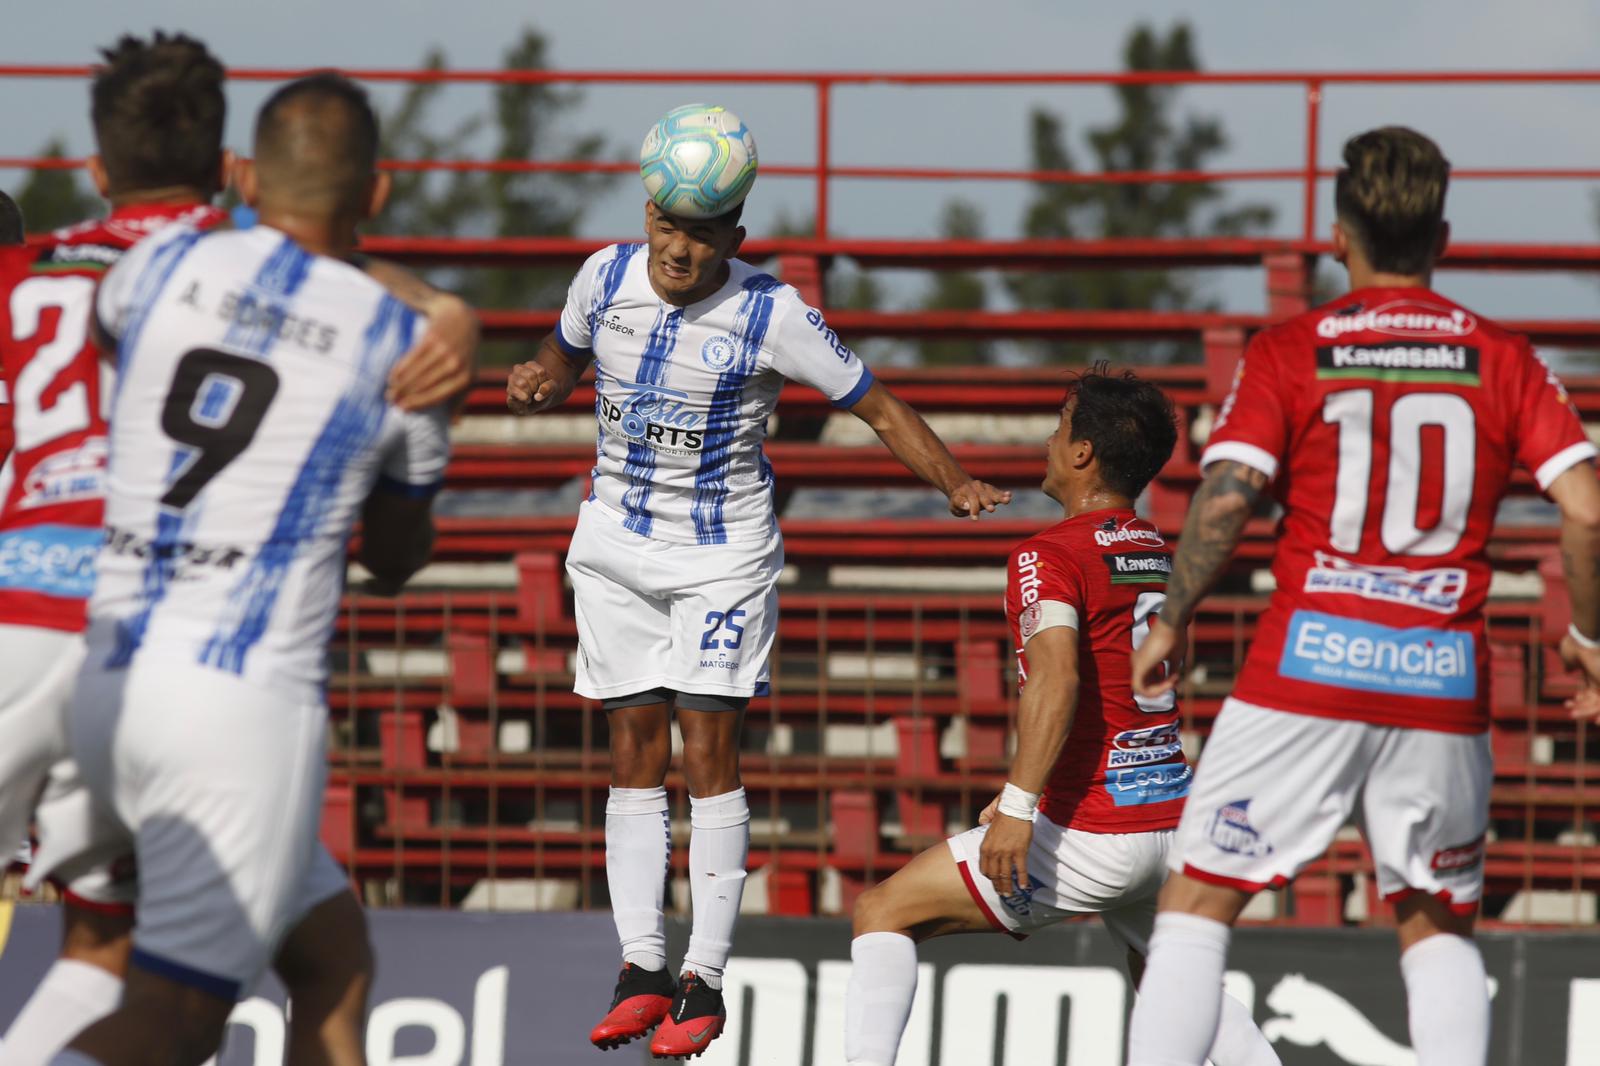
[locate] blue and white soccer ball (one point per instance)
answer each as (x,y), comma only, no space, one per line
(699,161)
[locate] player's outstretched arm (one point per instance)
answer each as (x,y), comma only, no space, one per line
(444,361)
(911,440)
(1044,718)
(1577,492)
(543,382)
(396,539)
(1217,515)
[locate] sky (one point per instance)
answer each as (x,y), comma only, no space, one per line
(969,127)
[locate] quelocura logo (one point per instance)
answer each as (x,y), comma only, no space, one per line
(1346,653)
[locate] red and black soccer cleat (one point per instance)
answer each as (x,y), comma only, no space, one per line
(696,1019)
(642,999)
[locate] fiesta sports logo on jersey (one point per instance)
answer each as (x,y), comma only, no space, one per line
(1110,535)
(1329,650)
(1401,318)
(1139,568)
(1437,590)
(1142,747)
(653,415)
(53,560)
(1137,786)
(718,352)
(78,474)
(1450,364)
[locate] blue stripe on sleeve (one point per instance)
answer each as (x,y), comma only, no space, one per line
(853,397)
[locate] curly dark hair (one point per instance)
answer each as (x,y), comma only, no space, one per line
(1129,421)
(158,112)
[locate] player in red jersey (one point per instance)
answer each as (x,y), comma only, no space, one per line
(158,113)
(1098,779)
(1388,424)
(11,233)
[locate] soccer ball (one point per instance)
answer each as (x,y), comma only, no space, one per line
(699,161)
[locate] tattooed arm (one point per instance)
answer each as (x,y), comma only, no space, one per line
(1217,515)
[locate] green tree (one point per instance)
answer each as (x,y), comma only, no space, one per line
(50,199)
(1148,134)
(957,290)
(523,123)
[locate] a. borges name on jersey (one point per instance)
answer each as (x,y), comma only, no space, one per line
(246,311)
(653,415)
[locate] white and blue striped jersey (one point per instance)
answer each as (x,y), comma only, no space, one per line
(248,427)
(683,394)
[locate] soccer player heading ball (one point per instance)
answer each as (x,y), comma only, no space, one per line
(676,556)
(1388,423)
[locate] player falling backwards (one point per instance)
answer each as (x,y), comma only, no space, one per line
(1388,423)
(158,117)
(1097,783)
(675,563)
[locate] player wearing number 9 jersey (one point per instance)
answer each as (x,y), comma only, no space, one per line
(1388,424)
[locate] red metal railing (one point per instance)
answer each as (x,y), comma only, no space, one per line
(823,170)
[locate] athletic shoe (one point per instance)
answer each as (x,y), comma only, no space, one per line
(696,1019)
(642,999)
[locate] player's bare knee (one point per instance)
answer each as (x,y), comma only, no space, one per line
(328,957)
(711,769)
(875,912)
(1419,916)
(1190,896)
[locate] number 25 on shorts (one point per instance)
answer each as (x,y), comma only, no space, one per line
(728,622)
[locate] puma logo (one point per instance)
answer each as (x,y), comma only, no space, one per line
(1312,1015)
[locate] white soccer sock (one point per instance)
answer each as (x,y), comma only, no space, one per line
(1447,993)
(1239,1040)
(877,1001)
(73,996)
(638,847)
(1180,996)
(719,843)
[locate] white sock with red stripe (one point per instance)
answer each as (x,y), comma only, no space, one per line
(1180,997)
(638,845)
(719,844)
(877,1001)
(1447,992)
(73,996)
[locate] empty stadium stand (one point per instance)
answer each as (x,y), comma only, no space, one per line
(462,759)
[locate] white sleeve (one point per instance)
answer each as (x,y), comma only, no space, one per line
(119,286)
(804,349)
(418,454)
(575,333)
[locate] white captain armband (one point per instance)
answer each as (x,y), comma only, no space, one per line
(1045,614)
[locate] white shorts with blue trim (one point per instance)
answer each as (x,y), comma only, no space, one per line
(218,785)
(1073,873)
(1273,788)
(661,614)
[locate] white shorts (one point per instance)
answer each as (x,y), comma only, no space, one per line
(38,780)
(218,784)
(1071,872)
(658,614)
(1273,788)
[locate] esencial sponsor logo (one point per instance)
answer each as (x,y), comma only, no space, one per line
(1136,786)
(1230,830)
(1129,533)
(53,560)
(1450,364)
(1139,568)
(1329,650)
(1401,318)
(1144,747)
(653,415)
(1439,590)
(78,474)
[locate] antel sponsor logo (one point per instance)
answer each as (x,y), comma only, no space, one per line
(1400,319)
(1028,581)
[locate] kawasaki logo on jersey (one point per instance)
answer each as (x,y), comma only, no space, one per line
(1329,650)
(655,416)
(1139,568)
(1450,364)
